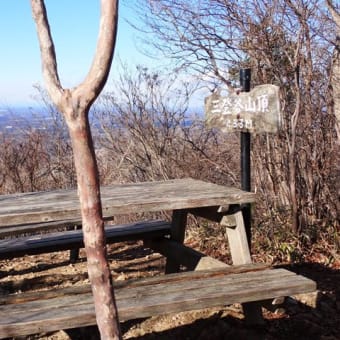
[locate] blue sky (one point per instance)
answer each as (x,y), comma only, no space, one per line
(74,25)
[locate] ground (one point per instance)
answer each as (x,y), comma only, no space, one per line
(318,319)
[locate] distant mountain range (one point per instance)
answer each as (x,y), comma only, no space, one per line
(16,119)
(21,117)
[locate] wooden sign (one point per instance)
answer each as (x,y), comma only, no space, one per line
(255,111)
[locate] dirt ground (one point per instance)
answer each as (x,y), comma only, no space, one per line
(318,319)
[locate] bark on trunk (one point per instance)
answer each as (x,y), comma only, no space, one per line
(93,228)
(335,72)
(335,79)
(292,184)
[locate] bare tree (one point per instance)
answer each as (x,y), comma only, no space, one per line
(149,133)
(282,43)
(75,104)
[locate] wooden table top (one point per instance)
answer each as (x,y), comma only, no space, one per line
(35,207)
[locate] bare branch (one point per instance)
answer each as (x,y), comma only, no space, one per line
(98,74)
(48,56)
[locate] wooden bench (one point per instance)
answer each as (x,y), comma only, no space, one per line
(73,239)
(37,312)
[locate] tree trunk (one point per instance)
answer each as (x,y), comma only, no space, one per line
(292,185)
(335,79)
(93,226)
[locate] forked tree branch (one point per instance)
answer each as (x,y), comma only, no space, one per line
(84,94)
(75,104)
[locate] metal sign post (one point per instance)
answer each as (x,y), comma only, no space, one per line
(256,111)
(245,78)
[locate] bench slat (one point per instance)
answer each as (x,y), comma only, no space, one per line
(172,293)
(25,229)
(155,280)
(71,239)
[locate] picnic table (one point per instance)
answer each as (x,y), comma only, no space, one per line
(214,284)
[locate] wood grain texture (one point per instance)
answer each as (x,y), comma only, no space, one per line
(158,295)
(59,205)
(237,238)
(178,225)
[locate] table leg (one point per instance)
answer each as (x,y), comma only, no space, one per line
(178,225)
(237,238)
(74,253)
(240,253)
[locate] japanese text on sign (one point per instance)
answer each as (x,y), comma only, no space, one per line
(255,111)
(230,105)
